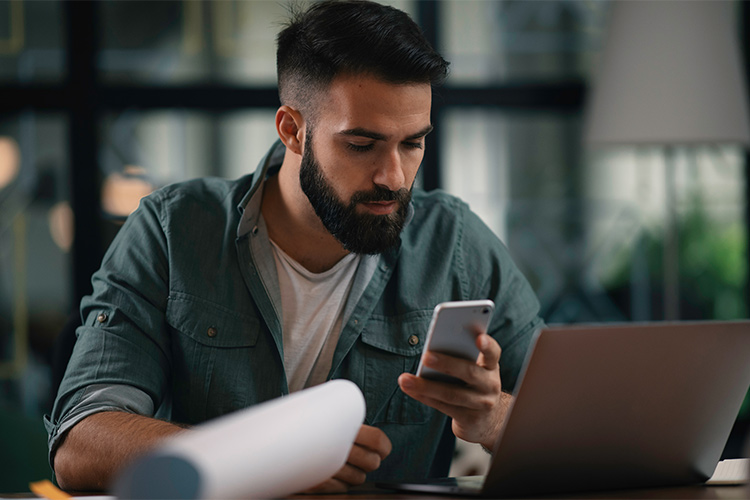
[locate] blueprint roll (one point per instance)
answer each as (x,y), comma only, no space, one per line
(270,450)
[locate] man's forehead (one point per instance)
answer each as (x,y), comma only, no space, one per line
(366,106)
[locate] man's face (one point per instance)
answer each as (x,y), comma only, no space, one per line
(358,232)
(359,164)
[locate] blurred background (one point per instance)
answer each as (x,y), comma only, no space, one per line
(103,102)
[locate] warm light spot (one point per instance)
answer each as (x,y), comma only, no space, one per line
(10,160)
(61,225)
(122,192)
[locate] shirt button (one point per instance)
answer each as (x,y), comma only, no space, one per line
(413,340)
(101,318)
(212,331)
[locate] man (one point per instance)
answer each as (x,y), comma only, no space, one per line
(325,263)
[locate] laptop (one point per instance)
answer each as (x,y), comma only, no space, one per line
(616,406)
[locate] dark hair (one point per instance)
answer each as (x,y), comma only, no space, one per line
(335,37)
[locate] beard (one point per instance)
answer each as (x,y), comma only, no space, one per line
(361,233)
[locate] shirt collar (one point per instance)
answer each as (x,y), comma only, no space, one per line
(250,205)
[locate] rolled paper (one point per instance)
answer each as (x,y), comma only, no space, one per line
(270,450)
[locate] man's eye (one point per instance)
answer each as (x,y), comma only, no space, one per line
(413,145)
(360,149)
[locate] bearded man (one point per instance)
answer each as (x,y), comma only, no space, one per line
(325,263)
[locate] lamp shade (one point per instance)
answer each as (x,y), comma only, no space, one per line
(670,73)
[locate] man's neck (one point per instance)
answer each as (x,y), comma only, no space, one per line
(293,225)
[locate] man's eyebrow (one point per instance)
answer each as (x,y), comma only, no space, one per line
(421,133)
(376,136)
(362,132)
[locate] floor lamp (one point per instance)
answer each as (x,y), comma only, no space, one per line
(670,76)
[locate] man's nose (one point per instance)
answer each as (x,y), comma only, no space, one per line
(390,172)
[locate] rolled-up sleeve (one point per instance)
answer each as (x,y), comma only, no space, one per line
(94,399)
(121,356)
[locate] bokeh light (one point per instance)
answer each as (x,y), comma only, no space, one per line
(10,161)
(61,225)
(122,191)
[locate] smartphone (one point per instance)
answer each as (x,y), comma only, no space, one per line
(451,333)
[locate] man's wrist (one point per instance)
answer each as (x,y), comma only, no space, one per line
(505,401)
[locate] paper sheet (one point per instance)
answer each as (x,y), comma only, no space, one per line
(269,450)
(730,472)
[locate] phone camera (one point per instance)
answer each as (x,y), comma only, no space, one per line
(486,310)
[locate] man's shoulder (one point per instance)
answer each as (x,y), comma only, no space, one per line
(207,195)
(435,196)
(201,202)
(205,189)
(437,201)
(447,221)
(439,208)
(441,220)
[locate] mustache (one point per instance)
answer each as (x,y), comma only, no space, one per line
(378,193)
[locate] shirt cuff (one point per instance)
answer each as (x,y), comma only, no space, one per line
(98,398)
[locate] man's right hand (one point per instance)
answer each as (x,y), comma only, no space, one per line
(370,448)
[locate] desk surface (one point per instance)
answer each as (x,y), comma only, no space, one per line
(367,492)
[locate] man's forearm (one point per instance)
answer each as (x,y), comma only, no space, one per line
(98,446)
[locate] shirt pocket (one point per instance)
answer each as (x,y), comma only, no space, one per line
(211,355)
(392,346)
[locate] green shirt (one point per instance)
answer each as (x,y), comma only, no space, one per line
(184,317)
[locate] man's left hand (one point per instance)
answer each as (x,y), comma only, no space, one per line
(371,446)
(477,408)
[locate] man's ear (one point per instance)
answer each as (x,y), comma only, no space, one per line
(291,128)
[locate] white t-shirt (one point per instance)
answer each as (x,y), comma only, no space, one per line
(312,306)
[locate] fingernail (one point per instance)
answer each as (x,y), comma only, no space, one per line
(406,382)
